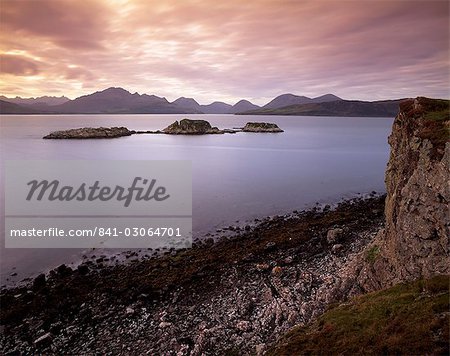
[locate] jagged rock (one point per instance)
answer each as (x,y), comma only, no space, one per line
(191,127)
(90,132)
(261,127)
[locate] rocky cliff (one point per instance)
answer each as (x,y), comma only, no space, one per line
(415,240)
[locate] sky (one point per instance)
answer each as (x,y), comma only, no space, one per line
(225,50)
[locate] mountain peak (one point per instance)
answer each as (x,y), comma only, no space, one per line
(185,101)
(115,90)
(242,101)
(286,100)
(326,98)
(243,105)
(292,99)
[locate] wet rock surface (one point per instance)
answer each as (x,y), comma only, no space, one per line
(90,132)
(239,294)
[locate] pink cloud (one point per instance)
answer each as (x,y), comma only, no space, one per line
(17,65)
(233,49)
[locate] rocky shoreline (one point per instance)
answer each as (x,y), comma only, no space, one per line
(239,294)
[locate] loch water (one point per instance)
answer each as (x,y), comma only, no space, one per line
(236,177)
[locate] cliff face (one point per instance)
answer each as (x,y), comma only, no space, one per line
(415,240)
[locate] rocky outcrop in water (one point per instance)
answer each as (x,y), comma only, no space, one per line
(90,132)
(191,127)
(182,127)
(261,127)
(415,241)
(202,127)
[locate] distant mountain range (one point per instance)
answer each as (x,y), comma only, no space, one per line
(43,100)
(120,101)
(291,99)
(386,108)
(216,107)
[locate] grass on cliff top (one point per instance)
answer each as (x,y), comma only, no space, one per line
(436,109)
(407,319)
(436,126)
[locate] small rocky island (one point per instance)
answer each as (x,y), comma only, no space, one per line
(261,127)
(193,127)
(182,127)
(90,132)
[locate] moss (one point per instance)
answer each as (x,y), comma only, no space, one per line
(408,318)
(372,253)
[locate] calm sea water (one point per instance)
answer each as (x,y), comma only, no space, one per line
(235,177)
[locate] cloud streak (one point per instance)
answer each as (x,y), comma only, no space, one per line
(258,49)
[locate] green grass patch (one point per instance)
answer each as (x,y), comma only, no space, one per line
(437,109)
(435,125)
(406,319)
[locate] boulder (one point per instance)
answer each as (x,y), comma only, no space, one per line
(333,235)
